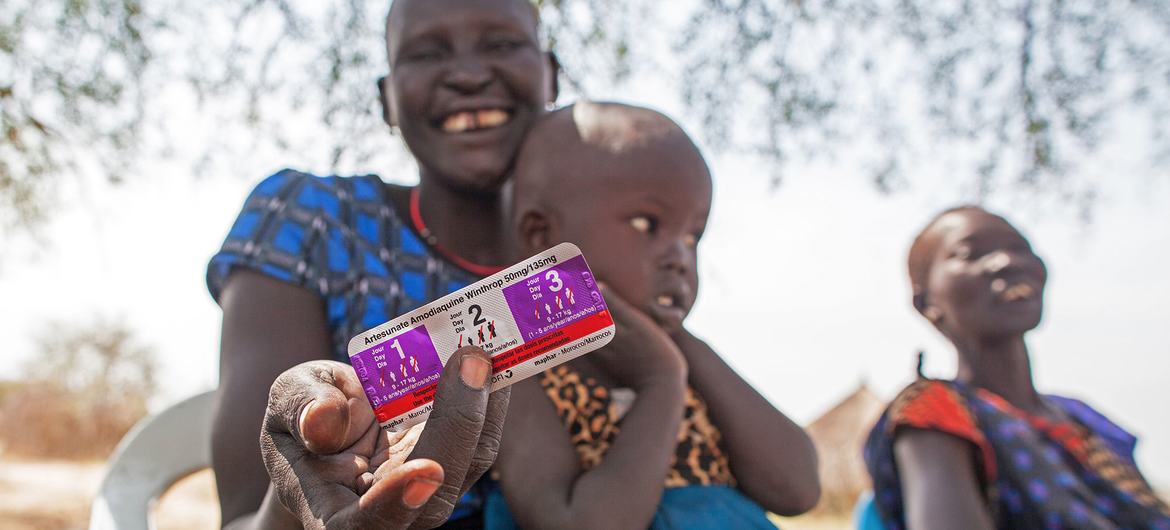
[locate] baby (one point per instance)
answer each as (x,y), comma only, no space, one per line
(696,443)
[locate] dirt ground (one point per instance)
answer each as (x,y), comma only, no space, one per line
(813,522)
(48,495)
(55,495)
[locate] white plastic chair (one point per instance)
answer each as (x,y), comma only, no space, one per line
(156,453)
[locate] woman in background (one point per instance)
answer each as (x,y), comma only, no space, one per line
(986,450)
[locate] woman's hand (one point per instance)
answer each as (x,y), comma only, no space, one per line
(332,466)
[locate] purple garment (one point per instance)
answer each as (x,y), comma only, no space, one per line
(1121,441)
(1079,475)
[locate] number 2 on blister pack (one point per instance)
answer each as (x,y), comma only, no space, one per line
(478,318)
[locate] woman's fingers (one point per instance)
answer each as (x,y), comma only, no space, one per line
(488,446)
(395,500)
(321,405)
(323,448)
(453,430)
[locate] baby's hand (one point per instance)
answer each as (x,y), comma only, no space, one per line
(641,353)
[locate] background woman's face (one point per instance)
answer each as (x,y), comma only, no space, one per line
(984,280)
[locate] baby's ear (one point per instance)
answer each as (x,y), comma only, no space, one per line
(384,101)
(554,78)
(534,229)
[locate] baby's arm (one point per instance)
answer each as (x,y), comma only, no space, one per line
(541,472)
(771,456)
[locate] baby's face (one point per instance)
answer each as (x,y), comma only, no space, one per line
(638,218)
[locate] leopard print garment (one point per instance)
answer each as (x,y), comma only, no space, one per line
(589,413)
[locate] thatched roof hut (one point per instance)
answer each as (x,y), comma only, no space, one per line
(839,435)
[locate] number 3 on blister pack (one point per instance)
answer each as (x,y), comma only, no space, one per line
(555,278)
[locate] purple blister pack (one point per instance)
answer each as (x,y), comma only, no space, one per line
(393,369)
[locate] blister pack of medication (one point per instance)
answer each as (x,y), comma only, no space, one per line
(530,317)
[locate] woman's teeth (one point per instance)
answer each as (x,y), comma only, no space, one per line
(1019,291)
(666,301)
(459,122)
(474,120)
(491,118)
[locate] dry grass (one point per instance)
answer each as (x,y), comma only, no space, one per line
(84,387)
(48,422)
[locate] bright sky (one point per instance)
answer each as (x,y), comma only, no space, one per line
(803,289)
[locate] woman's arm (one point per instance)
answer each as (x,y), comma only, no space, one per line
(940,489)
(541,472)
(268,327)
(771,456)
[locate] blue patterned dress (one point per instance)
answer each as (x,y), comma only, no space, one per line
(339,237)
(1034,472)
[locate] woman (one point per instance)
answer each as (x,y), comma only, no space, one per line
(986,450)
(312,261)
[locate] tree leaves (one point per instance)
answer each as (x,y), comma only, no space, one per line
(1024,90)
(1016,94)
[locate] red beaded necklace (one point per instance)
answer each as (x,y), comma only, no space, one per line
(421,227)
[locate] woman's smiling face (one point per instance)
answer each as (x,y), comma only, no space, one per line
(467,80)
(983,279)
